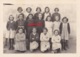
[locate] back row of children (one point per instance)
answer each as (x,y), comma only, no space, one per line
(39,31)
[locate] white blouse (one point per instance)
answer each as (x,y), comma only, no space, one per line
(56,25)
(44,37)
(45,16)
(56,39)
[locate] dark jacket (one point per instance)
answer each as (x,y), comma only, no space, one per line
(61,26)
(11,25)
(29,25)
(35,37)
(40,24)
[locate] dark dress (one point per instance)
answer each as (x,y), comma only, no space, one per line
(29,24)
(40,24)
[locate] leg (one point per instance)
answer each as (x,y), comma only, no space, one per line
(67,44)
(9,43)
(58,50)
(12,43)
(6,42)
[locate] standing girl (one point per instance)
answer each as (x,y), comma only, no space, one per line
(20,22)
(48,25)
(20,43)
(56,39)
(11,27)
(56,13)
(65,32)
(34,40)
(38,10)
(40,24)
(46,13)
(29,25)
(44,38)
(56,23)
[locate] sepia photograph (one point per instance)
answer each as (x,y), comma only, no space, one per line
(39,28)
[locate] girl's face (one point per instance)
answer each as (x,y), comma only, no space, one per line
(40,16)
(21,17)
(38,10)
(20,31)
(56,10)
(34,30)
(57,18)
(28,10)
(49,18)
(47,10)
(44,31)
(30,16)
(56,33)
(65,20)
(19,10)
(11,18)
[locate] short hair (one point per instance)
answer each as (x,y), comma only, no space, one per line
(47,17)
(12,16)
(45,28)
(19,29)
(58,16)
(19,8)
(48,8)
(56,9)
(38,8)
(21,14)
(29,15)
(57,31)
(65,18)
(29,8)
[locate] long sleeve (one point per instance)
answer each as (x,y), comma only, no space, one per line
(60,28)
(69,28)
(7,25)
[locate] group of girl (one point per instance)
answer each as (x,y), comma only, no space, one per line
(39,31)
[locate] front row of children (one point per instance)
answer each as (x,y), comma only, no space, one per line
(20,41)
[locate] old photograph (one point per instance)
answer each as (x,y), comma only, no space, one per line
(39,28)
